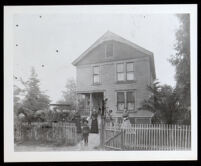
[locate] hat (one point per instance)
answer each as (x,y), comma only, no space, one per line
(125,118)
(125,114)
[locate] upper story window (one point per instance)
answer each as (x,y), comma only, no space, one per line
(125,71)
(96,74)
(130,71)
(109,50)
(120,72)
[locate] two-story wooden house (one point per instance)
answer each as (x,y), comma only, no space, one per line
(119,70)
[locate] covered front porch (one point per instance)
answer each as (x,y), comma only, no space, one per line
(86,101)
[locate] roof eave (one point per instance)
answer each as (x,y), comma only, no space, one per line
(117,37)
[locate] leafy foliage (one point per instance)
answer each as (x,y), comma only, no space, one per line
(181,60)
(35,99)
(164,103)
(69,95)
(16,101)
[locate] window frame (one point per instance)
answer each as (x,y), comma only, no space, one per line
(106,47)
(125,100)
(120,102)
(95,74)
(130,102)
(130,71)
(123,72)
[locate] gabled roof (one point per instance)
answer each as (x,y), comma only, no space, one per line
(111,36)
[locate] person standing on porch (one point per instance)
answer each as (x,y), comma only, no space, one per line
(94,123)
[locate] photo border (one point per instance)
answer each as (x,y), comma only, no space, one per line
(96,156)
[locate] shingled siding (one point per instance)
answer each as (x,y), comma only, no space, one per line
(109,84)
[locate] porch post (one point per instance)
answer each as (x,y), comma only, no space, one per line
(91,103)
(76,103)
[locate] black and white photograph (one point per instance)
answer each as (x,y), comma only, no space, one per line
(95,80)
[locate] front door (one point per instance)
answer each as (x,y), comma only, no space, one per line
(97,100)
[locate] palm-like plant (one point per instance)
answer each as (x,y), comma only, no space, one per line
(163,102)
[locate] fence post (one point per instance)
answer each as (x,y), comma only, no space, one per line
(102,137)
(122,139)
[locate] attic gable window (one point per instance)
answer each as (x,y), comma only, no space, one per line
(109,50)
(96,74)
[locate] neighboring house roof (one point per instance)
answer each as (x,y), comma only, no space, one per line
(111,36)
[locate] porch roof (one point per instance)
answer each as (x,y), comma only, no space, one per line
(90,91)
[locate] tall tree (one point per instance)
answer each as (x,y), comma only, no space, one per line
(35,99)
(16,101)
(16,94)
(181,60)
(69,95)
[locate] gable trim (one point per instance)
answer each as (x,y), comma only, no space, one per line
(110,36)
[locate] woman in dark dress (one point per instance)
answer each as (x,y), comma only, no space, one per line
(94,123)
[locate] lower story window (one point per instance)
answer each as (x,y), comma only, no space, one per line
(130,101)
(120,101)
(126,100)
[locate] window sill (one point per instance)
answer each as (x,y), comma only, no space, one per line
(126,82)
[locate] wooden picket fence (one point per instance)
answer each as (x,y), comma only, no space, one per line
(147,137)
(64,133)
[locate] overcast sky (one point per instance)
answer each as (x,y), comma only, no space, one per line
(38,36)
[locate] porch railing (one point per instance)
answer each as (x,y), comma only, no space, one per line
(84,111)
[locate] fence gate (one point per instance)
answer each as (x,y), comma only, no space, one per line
(113,138)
